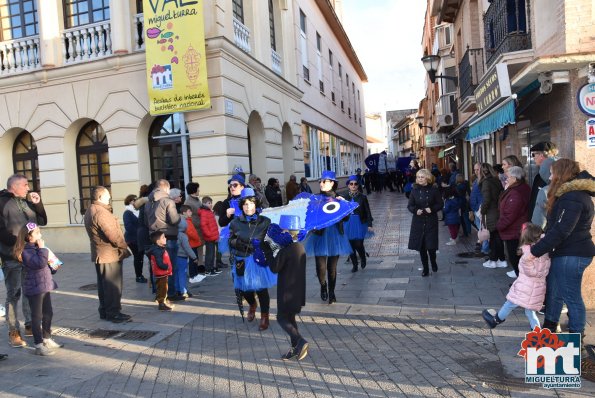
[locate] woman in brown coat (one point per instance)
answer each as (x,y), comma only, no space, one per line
(490,191)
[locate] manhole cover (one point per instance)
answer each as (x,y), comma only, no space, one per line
(102,333)
(72,332)
(92,286)
(136,335)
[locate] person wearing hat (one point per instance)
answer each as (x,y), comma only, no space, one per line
(290,265)
(327,244)
(359,222)
(544,154)
(245,231)
(227,211)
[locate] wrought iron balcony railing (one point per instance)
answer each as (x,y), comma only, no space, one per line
(506,28)
(471,69)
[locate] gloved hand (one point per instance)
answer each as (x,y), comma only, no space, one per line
(259,256)
(301,235)
(241,245)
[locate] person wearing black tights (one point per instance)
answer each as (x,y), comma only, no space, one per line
(327,244)
(424,203)
(359,223)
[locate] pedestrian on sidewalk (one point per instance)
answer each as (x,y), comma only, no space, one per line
(359,223)
(162,268)
(475,200)
(452,214)
(424,203)
(512,207)
(248,276)
(18,206)
(130,218)
(38,283)
(185,254)
(197,243)
(142,232)
(210,233)
(491,187)
(528,290)
(569,242)
(108,251)
(290,265)
(327,244)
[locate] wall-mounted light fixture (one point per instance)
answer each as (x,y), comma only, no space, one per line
(299,145)
(431,63)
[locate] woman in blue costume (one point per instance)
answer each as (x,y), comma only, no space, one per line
(359,224)
(245,231)
(327,244)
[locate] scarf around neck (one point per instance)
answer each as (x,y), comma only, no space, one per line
(132,209)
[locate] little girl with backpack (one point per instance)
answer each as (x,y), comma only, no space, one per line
(31,251)
(528,290)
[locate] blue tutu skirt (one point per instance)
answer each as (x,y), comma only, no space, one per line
(255,276)
(355,229)
(330,243)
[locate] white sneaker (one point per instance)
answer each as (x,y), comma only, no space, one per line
(511,274)
(50,343)
(451,242)
(43,350)
(197,279)
(501,264)
(489,264)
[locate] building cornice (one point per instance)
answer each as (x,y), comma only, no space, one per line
(332,19)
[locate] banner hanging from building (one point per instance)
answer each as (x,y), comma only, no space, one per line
(175,56)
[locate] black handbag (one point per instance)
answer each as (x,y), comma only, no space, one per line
(240,267)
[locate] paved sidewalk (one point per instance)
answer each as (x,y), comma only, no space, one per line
(392,333)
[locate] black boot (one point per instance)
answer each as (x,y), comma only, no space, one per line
(331,292)
(434,267)
(323,292)
(353,258)
(552,326)
(426,271)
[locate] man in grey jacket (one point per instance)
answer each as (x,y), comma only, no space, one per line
(161,215)
(17,208)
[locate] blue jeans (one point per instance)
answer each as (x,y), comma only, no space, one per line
(14,273)
(172,250)
(180,274)
(507,308)
(564,286)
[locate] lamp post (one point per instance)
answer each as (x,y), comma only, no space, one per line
(431,63)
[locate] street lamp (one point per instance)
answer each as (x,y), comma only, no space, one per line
(420,123)
(431,63)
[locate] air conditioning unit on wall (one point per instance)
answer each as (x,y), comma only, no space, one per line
(445,120)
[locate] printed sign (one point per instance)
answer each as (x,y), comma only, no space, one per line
(434,140)
(175,56)
(590,125)
(552,359)
(493,87)
(586,99)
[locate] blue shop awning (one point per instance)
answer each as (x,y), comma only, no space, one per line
(492,121)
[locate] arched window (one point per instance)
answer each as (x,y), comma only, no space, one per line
(24,159)
(92,161)
(166,150)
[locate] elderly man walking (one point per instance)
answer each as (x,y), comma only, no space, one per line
(108,250)
(17,208)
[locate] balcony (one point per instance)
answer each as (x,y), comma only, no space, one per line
(471,70)
(506,29)
(445,110)
(88,42)
(19,56)
(241,35)
(276,62)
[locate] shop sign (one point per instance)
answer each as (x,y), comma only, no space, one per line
(175,56)
(434,140)
(492,88)
(586,99)
(590,124)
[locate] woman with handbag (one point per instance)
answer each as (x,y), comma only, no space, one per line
(327,244)
(245,231)
(490,191)
(424,203)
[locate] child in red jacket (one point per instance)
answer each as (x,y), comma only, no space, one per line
(162,268)
(210,233)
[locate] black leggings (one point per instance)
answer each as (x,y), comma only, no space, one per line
(288,323)
(263,298)
(324,264)
(511,246)
(41,316)
(496,247)
(358,247)
(423,253)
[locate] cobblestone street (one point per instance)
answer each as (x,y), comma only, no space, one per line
(391,334)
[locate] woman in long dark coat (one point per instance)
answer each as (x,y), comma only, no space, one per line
(491,188)
(424,203)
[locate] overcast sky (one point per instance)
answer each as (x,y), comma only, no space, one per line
(386,35)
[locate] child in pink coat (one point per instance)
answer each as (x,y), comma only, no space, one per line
(528,290)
